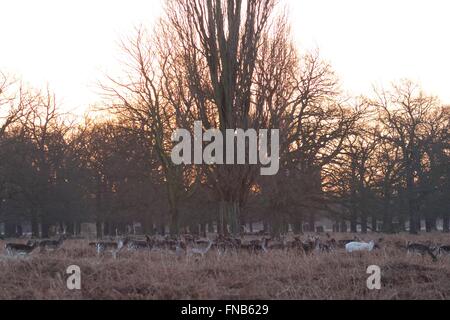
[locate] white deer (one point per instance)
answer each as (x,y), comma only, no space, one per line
(359,246)
(200,251)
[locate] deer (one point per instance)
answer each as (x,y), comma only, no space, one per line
(51,245)
(256,246)
(307,247)
(199,251)
(113,247)
(16,249)
(178,248)
(343,243)
(328,246)
(165,244)
(359,246)
(281,244)
(444,250)
(420,249)
(136,245)
(262,246)
(188,238)
(223,244)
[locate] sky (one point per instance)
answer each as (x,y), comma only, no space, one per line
(70,44)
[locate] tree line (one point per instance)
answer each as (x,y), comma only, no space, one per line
(380,158)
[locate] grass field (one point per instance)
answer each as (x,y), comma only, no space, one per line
(275,275)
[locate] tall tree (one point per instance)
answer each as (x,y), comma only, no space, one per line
(405,110)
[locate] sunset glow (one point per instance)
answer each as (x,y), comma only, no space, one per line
(69,44)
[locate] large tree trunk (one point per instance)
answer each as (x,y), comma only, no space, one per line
(203,230)
(402,224)
(98,229)
(221,223)
(121,228)
(353,213)
(229,213)
(147,224)
(174,221)
(353,223)
(374,224)
(363,223)
(70,227)
(211,227)
(113,228)
(45,228)
(343,226)
(279,226)
(414,220)
(19,230)
(387,220)
(430,224)
(106,229)
(77,228)
(298,225)
(266,227)
(162,229)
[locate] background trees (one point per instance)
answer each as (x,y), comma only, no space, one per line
(411,121)
(380,162)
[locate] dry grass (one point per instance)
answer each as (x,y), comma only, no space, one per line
(276,275)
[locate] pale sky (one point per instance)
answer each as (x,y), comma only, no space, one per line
(70,43)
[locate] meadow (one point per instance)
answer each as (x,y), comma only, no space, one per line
(276,274)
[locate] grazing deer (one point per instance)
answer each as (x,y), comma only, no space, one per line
(297,244)
(199,251)
(280,245)
(444,250)
(421,249)
(256,245)
(223,244)
(190,239)
(135,245)
(359,246)
(311,244)
(343,243)
(16,249)
(332,244)
(179,248)
(378,244)
(113,247)
(164,244)
(264,245)
(326,247)
(51,245)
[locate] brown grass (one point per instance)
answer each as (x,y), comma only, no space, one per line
(276,275)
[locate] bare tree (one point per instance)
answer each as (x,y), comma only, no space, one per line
(14,100)
(405,111)
(145,97)
(235,56)
(321,120)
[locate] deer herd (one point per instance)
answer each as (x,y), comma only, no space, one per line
(189,245)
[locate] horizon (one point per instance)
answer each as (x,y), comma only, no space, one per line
(73,57)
